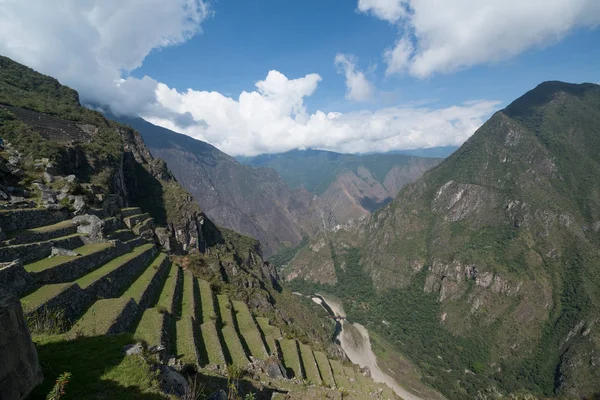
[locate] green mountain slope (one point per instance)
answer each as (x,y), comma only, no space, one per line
(316,170)
(486,269)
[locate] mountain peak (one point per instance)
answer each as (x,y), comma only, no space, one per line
(544,93)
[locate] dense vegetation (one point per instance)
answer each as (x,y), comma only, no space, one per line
(521,200)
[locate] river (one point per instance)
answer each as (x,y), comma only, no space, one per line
(358,346)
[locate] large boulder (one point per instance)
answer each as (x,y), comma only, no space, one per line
(14,280)
(20,369)
(90,225)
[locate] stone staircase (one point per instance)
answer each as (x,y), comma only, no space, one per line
(124,284)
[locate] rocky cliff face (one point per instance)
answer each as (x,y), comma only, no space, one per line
(20,370)
(259,201)
(498,244)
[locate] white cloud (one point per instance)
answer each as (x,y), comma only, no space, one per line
(358,86)
(389,10)
(451,35)
(274,119)
(92,45)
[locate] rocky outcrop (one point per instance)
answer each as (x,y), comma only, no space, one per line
(14,279)
(20,370)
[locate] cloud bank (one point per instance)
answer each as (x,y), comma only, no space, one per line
(446,36)
(93,45)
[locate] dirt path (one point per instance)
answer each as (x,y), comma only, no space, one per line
(358,350)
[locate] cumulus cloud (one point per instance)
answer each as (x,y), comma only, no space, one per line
(452,35)
(273,118)
(93,45)
(358,86)
(389,10)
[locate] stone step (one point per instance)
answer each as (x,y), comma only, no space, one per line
(147,224)
(171,291)
(324,369)
(187,341)
(250,333)
(234,348)
(291,357)
(310,365)
(128,212)
(36,251)
(207,302)
(61,269)
(136,242)
(113,278)
(133,220)
(123,235)
(41,234)
(146,288)
(153,328)
(29,218)
(107,316)
(212,345)
(341,382)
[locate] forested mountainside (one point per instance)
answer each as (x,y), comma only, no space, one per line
(266,202)
(107,252)
(485,271)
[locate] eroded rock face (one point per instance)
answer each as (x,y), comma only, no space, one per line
(20,370)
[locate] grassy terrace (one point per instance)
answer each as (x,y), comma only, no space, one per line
(210,337)
(267,331)
(208,304)
(42,295)
(291,358)
(138,288)
(338,374)
(324,368)
(167,297)
(186,345)
(351,375)
(188,302)
(114,264)
(310,365)
(42,229)
(58,241)
(100,317)
(47,263)
(249,330)
(232,340)
(150,327)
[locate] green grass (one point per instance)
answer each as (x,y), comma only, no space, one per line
(85,250)
(99,367)
(150,327)
(351,375)
(42,295)
(186,346)
(225,310)
(249,330)
(139,287)
(114,264)
(310,365)
(100,317)
(269,334)
(206,298)
(234,346)
(338,374)
(212,344)
(291,358)
(188,303)
(167,296)
(41,229)
(324,368)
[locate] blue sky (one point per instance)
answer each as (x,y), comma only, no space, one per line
(269,76)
